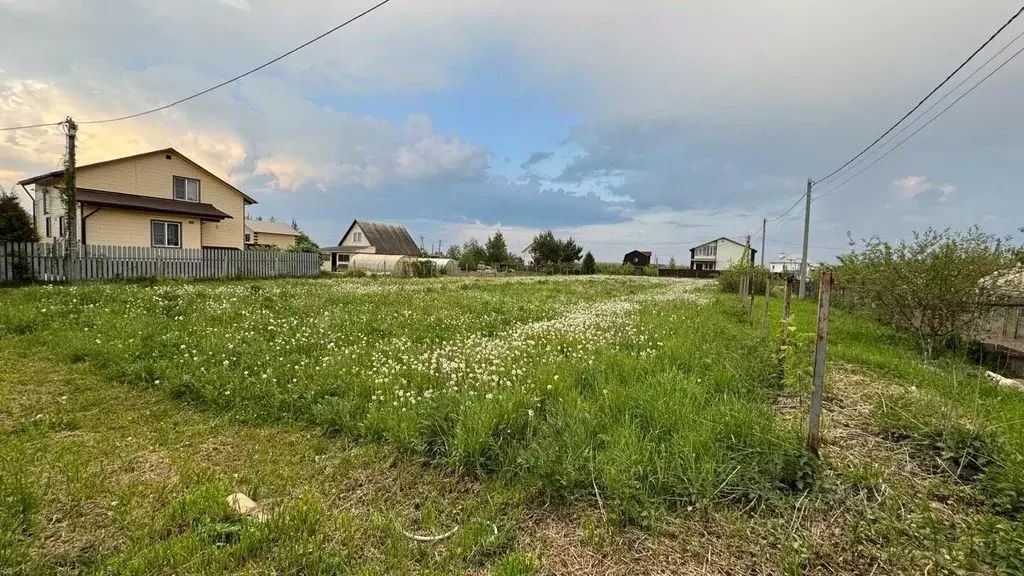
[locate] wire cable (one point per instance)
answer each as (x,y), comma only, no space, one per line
(930,94)
(30,126)
(220,85)
(951,91)
(923,126)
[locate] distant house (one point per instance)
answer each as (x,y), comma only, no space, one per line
(158,199)
(788,264)
(365,237)
(527,255)
(267,233)
(718,254)
(637,258)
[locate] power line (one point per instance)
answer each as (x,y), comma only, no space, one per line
(29,126)
(952,91)
(929,95)
(923,126)
(796,202)
(222,84)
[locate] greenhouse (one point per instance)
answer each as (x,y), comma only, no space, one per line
(443,265)
(382,264)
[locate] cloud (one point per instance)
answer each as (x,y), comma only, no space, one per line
(237,4)
(536,158)
(914,186)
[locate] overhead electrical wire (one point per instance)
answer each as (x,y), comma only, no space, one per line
(220,85)
(951,91)
(923,126)
(929,95)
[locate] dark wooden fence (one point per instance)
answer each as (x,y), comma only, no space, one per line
(686,273)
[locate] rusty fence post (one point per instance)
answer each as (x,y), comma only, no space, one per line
(824,295)
(787,303)
(767,298)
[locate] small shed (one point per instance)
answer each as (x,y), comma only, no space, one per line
(637,258)
(395,265)
(443,265)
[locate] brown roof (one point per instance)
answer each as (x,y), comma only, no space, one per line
(59,173)
(386,238)
(107,199)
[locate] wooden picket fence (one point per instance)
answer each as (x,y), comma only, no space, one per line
(49,262)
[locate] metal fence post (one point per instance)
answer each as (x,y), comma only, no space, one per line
(824,295)
(767,297)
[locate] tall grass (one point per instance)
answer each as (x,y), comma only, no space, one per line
(567,386)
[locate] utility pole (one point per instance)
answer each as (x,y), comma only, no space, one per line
(764,236)
(440,246)
(421,243)
(71,198)
(807,234)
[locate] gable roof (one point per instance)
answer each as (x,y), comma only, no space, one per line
(268,227)
(59,173)
(721,238)
(386,238)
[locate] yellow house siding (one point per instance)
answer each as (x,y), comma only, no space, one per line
(153,175)
(269,239)
(112,227)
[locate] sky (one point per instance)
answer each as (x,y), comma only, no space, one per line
(654,125)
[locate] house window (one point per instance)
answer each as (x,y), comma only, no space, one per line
(61,221)
(357,236)
(248,238)
(186,189)
(46,202)
(708,250)
(49,230)
(166,234)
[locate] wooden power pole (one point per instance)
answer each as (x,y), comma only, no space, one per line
(821,337)
(70,196)
(807,235)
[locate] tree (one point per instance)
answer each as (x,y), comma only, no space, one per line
(497,249)
(546,249)
(15,223)
(569,251)
(672,263)
(934,287)
(589,265)
(454,252)
(472,255)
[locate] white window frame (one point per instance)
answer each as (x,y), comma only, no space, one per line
(46,201)
(187,181)
(62,225)
(49,228)
(248,238)
(166,225)
(357,236)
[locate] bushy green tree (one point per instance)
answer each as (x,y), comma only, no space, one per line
(454,252)
(15,223)
(472,255)
(589,264)
(934,286)
(672,263)
(303,243)
(546,249)
(569,251)
(497,249)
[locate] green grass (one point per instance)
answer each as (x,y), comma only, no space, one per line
(559,386)
(567,425)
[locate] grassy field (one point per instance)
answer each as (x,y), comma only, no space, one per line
(593,425)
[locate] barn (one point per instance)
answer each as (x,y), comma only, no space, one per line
(639,258)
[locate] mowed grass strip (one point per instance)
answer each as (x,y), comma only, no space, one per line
(628,388)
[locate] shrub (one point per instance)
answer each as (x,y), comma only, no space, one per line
(729,279)
(930,287)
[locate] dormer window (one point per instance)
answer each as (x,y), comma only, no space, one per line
(186,189)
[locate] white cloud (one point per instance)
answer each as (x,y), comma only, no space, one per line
(914,186)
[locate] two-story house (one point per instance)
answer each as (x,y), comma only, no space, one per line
(157,199)
(719,254)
